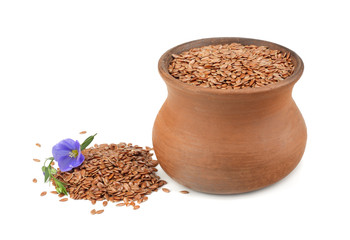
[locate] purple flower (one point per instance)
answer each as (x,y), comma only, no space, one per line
(68,155)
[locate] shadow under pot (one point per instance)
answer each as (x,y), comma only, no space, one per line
(233,140)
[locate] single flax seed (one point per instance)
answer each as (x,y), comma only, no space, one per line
(184,192)
(100,211)
(136,207)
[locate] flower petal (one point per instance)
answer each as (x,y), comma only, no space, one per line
(78,161)
(68,143)
(63,148)
(58,152)
(77,145)
(65,163)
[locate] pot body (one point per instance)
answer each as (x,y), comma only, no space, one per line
(228,143)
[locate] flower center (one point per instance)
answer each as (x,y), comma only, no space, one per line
(74,153)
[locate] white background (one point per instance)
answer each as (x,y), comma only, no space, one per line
(69,66)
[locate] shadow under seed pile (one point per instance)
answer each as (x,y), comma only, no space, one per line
(113,172)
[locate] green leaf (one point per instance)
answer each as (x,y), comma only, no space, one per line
(47,174)
(53,171)
(60,188)
(87,142)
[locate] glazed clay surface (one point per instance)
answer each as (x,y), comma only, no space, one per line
(228,141)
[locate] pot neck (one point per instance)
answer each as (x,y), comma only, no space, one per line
(257,104)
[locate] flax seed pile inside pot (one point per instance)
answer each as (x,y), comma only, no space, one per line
(115,172)
(231,66)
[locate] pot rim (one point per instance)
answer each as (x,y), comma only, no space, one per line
(165,59)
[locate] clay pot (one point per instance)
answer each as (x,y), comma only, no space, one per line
(228,141)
